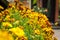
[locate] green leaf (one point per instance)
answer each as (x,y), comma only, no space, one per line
(34,1)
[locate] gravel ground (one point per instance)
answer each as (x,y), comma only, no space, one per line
(57,33)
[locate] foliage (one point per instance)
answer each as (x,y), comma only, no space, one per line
(34,1)
(20,23)
(40,10)
(59,16)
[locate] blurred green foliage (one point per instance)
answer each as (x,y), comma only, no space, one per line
(40,10)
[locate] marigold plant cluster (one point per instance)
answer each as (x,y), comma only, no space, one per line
(18,22)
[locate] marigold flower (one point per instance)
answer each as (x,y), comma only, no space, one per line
(1,7)
(18,31)
(21,38)
(7,17)
(21,17)
(28,11)
(4,35)
(6,24)
(0,14)
(47,29)
(37,31)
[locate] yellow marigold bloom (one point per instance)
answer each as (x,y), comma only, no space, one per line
(1,7)
(31,15)
(37,31)
(4,35)
(11,5)
(18,31)
(7,17)
(28,11)
(35,14)
(47,29)
(22,38)
(0,14)
(6,24)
